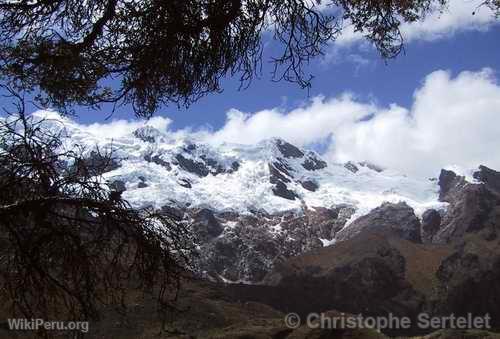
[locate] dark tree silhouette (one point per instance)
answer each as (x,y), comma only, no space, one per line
(68,244)
(494,5)
(178,50)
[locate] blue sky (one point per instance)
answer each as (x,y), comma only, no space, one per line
(391,82)
(355,68)
(437,105)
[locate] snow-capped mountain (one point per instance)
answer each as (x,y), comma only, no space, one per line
(271,176)
(250,205)
(266,215)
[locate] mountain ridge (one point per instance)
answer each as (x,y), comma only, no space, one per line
(236,177)
(252,207)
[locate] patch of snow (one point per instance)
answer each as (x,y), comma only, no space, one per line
(327,242)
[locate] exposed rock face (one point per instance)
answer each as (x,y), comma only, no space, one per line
(489,177)
(204,167)
(354,167)
(158,160)
(192,166)
(242,254)
(288,150)
(250,245)
(189,148)
(198,175)
(385,261)
(326,222)
(281,190)
(213,166)
(382,266)
(310,185)
(279,172)
(206,225)
(234,166)
(431,222)
(344,214)
(280,175)
(468,280)
(473,207)
(351,167)
(313,164)
(396,218)
(184,183)
(450,184)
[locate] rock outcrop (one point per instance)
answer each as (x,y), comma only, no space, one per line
(205,225)
(431,222)
(399,219)
(250,245)
(375,272)
(489,177)
(468,280)
(473,207)
(288,150)
(351,167)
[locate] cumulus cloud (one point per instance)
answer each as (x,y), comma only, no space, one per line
(303,125)
(453,121)
(456,17)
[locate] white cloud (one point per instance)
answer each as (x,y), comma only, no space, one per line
(453,121)
(110,129)
(304,125)
(457,17)
(118,128)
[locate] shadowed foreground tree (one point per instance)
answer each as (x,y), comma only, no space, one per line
(69,245)
(178,50)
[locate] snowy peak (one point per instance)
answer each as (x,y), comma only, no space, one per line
(158,168)
(191,162)
(272,175)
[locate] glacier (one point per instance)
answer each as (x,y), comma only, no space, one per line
(159,169)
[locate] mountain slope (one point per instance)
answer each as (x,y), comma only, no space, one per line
(253,206)
(265,215)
